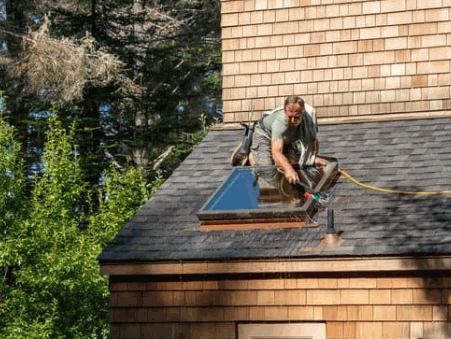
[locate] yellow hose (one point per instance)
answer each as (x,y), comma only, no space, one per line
(282,190)
(384,190)
(281,183)
(374,188)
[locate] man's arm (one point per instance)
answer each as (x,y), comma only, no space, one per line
(281,161)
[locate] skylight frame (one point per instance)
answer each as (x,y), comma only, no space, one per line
(287,214)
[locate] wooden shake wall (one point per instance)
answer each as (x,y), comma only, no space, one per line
(351,307)
(346,57)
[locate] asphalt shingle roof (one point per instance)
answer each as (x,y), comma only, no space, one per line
(410,155)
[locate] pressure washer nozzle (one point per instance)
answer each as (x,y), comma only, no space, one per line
(314,196)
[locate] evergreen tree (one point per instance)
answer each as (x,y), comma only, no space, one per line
(152,67)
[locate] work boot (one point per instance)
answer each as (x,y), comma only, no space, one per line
(239,158)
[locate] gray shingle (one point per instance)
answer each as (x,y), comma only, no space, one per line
(405,155)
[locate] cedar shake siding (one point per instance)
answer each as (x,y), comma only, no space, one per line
(369,306)
(348,58)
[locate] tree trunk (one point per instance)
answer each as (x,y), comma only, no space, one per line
(140,154)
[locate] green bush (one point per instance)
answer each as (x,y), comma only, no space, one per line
(51,285)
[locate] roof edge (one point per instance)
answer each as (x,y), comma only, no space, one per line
(358,119)
(304,265)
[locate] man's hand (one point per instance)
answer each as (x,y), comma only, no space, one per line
(292,176)
(320,161)
(282,162)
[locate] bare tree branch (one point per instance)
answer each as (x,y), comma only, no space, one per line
(162,157)
(113,160)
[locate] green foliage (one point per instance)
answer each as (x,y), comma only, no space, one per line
(51,284)
(12,178)
(57,224)
(121,197)
(184,145)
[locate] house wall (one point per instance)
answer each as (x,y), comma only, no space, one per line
(353,306)
(348,58)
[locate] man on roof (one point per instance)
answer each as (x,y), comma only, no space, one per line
(287,138)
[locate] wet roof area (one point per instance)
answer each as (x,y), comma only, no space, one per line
(411,155)
(245,200)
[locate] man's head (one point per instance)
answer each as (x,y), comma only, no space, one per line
(294,110)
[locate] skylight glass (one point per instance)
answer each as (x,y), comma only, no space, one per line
(244,198)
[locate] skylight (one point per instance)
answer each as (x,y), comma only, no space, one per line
(243,200)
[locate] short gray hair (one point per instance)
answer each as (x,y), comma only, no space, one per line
(294,99)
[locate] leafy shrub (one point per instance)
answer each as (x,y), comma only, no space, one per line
(51,284)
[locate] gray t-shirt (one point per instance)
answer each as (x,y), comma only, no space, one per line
(275,126)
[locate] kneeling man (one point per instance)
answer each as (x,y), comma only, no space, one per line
(287,138)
